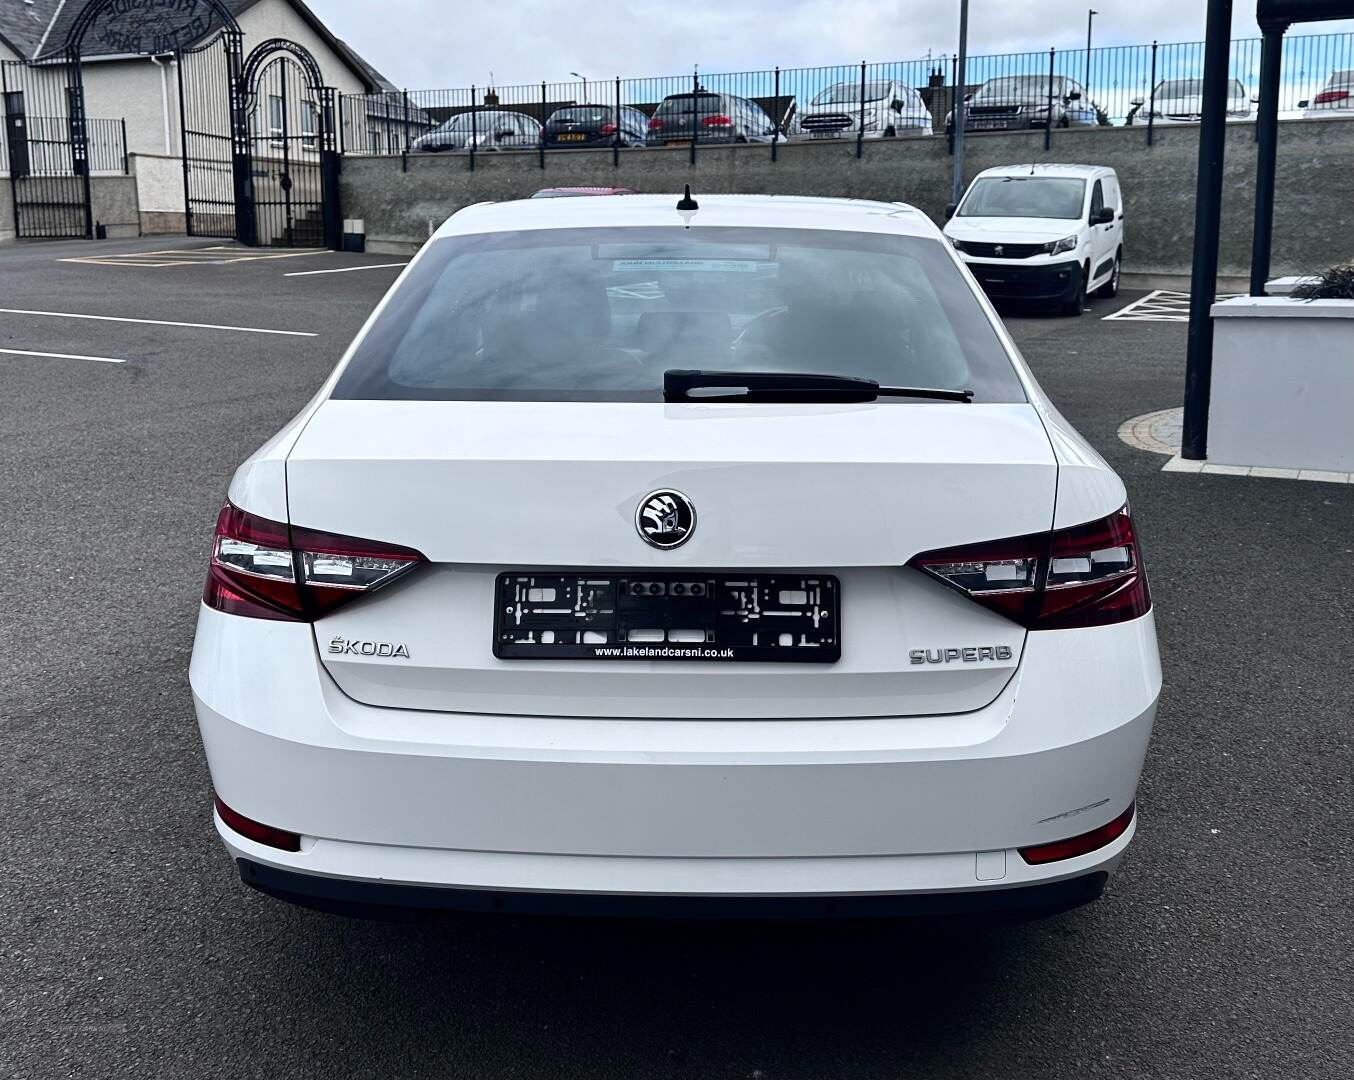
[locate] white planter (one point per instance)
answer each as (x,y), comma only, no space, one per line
(1283,384)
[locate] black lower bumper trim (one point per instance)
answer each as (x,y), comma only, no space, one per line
(346,896)
(1049,283)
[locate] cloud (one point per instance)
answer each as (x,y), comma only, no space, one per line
(433,44)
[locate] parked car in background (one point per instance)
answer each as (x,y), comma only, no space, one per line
(1043,233)
(1181,101)
(889,108)
(709,118)
(486,129)
(571,192)
(1015,102)
(1337,99)
(577,126)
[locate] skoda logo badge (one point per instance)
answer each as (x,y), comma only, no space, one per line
(665,519)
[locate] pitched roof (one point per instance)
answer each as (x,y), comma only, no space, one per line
(23,25)
(40,29)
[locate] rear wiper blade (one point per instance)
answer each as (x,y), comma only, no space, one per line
(792,387)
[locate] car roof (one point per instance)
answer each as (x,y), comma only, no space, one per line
(748,211)
(1048,169)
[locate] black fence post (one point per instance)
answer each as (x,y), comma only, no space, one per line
(616,142)
(1267,137)
(1152,94)
(860,122)
(406,118)
(126,165)
(695,112)
(474,133)
(1048,117)
(542,139)
(1207,226)
(955,91)
(775,133)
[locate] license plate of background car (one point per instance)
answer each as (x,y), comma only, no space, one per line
(668,615)
(572,138)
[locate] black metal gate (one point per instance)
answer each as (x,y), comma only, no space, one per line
(209,79)
(46,149)
(293,183)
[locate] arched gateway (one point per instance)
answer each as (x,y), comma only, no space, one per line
(258,145)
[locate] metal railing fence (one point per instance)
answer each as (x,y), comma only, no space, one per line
(1114,85)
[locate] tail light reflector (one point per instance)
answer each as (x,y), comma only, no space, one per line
(256,830)
(1327,96)
(717,120)
(1079,845)
(655,124)
(266,569)
(608,128)
(1086,575)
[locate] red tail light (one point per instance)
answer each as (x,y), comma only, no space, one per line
(608,128)
(717,120)
(268,570)
(1327,96)
(655,124)
(1079,845)
(1088,575)
(256,830)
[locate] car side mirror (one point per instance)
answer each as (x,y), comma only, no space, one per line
(1103,216)
(897,106)
(1139,102)
(1075,95)
(1303,103)
(950,208)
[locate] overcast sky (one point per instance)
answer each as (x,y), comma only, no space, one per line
(435,43)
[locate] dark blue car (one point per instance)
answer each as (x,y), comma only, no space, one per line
(575,126)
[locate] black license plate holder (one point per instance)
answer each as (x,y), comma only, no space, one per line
(780,617)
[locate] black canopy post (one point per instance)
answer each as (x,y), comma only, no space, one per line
(1207,223)
(1266,153)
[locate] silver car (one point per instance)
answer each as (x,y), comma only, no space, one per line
(485,129)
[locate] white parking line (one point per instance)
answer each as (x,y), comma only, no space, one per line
(1159,305)
(62,356)
(214,256)
(157,322)
(345,269)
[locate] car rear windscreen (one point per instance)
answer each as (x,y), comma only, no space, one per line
(581,114)
(686,104)
(599,314)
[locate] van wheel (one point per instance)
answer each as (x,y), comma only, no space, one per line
(1073,307)
(890,133)
(1110,289)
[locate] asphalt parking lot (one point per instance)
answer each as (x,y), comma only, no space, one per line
(129,947)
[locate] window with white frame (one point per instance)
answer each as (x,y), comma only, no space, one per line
(277,115)
(310,125)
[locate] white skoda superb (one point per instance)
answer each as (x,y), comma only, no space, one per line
(646,556)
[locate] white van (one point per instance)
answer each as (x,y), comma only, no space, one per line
(1045,233)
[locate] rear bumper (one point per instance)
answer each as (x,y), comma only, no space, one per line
(374,898)
(824,809)
(1046,283)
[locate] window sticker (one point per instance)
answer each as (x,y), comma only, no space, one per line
(717,266)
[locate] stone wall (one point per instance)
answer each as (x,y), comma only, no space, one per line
(1314,215)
